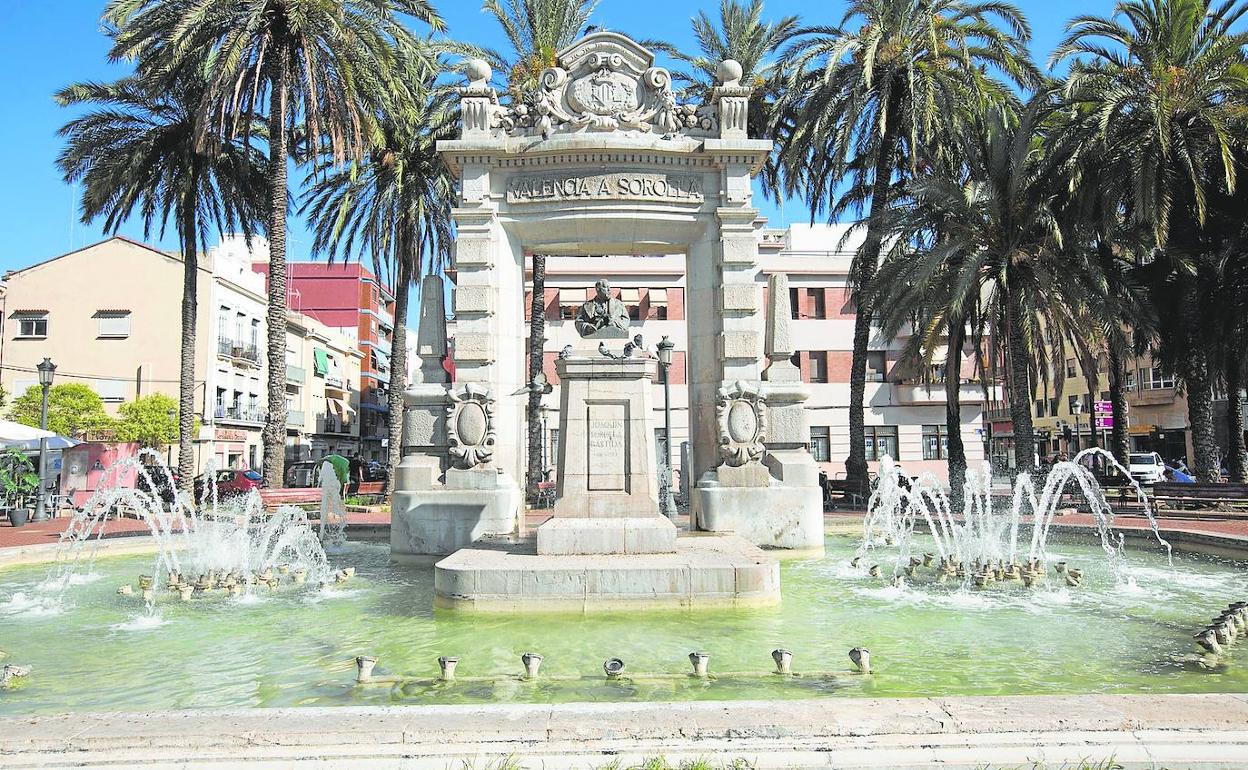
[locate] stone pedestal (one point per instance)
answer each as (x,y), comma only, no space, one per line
(606,440)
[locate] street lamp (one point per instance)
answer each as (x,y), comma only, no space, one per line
(1076,409)
(47,371)
(665,348)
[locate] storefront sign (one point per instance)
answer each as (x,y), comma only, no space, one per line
(610,186)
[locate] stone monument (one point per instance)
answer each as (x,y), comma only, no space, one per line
(606,160)
(448,492)
(767,487)
(608,492)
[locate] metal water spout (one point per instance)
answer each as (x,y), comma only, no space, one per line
(532,664)
(364,667)
(447,665)
(861,658)
(701,663)
(614,668)
(784,661)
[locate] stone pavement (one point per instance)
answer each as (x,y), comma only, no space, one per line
(1171,731)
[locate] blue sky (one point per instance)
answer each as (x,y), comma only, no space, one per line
(46,45)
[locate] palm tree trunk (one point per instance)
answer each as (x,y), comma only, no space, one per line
(953,414)
(865,266)
(398,368)
(1020,390)
(1236,462)
(1118,403)
(274,435)
(186,373)
(1090,379)
(1197,377)
(533,410)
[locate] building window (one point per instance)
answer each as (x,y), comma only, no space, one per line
(570,300)
(1152,378)
(794,304)
(113,324)
(935,442)
(552,457)
(881,440)
(111,391)
(818,366)
(1052,407)
(1070,367)
(821,444)
(657,301)
(632,300)
(815,304)
(1039,407)
(32,325)
(1130,381)
(1070,403)
(875,365)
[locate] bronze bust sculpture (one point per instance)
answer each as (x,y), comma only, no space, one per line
(601,312)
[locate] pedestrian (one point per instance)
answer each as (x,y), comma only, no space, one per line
(357,470)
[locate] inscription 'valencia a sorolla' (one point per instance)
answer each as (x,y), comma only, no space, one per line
(610,186)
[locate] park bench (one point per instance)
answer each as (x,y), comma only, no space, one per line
(300,497)
(1200,500)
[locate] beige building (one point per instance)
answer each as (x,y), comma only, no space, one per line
(322,391)
(109,316)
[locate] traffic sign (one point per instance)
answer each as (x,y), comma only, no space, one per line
(1104,407)
(1103,423)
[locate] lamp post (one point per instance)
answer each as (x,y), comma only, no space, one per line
(47,371)
(665,348)
(1076,409)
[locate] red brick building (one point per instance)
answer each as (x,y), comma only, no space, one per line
(349,298)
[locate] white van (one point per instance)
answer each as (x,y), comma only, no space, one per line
(1146,467)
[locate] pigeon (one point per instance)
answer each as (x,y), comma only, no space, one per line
(637,342)
(566,352)
(628,350)
(602,348)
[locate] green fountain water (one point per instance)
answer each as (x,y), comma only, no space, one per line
(295,647)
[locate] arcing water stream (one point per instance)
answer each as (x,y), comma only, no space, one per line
(979,539)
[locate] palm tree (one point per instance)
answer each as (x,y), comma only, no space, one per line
(894,75)
(740,34)
(135,154)
(394,206)
(317,69)
(1165,81)
(536,31)
(1000,255)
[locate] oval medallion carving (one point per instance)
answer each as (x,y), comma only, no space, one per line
(742,422)
(471,424)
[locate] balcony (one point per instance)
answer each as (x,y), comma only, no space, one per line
(328,423)
(294,418)
(239,414)
(296,375)
(239,352)
(1151,397)
(385,318)
(383,344)
(335,382)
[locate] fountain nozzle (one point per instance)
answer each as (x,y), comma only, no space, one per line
(861,658)
(784,661)
(447,666)
(532,663)
(364,667)
(701,663)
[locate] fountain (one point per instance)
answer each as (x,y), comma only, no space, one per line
(981,546)
(218,544)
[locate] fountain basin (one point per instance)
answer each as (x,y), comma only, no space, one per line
(297,646)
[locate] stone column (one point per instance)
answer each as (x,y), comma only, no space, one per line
(424,414)
(788,431)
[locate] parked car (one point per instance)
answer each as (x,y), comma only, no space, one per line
(374,470)
(230,483)
(1146,467)
(303,474)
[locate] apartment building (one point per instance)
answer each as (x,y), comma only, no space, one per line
(351,300)
(1157,420)
(322,397)
(109,316)
(237,377)
(905,418)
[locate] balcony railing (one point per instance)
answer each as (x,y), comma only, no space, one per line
(296,374)
(239,351)
(294,418)
(328,423)
(385,317)
(335,382)
(239,414)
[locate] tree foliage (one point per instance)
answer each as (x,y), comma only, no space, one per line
(152,421)
(74,409)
